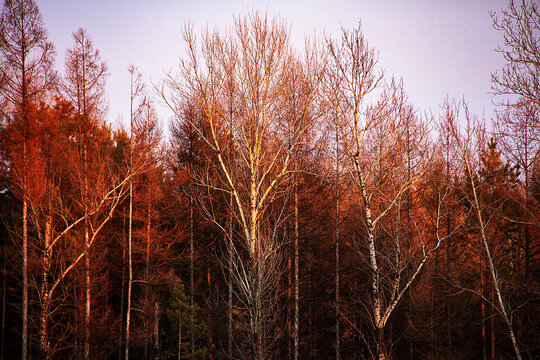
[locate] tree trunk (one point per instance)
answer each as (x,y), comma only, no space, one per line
(492,329)
(337,249)
(147,272)
(448,294)
(87,293)
(25,263)
(432,320)
(210,336)
(260,345)
(25,282)
(375,289)
(483,306)
(230,299)
(527,190)
(123,288)
(381,351)
(296,277)
(527,254)
(133,93)
(448,254)
(130,269)
(4,285)
(156,331)
(491,267)
(289,305)
(45,299)
(375,286)
(311,332)
(191,270)
(86,257)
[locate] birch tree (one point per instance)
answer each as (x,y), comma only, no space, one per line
(370,137)
(520,76)
(251,149)
(136,88)
(465,145)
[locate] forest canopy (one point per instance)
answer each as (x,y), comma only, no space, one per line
(297,205)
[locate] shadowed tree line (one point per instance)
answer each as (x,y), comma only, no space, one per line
(301,207)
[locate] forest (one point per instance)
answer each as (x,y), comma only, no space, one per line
(296,206)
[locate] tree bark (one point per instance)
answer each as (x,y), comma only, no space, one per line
(25,261)
(25,278)
(483,305)
(123,286)
(191,270)
(156,331)
(45,299)
(147,269)
(489,259)
(296,275)
(492,329)
(311,330)
(86,254)
(230,299)
(210,337)
(448,304)
(130,270)
(4,285)
(381,351)
(135,89)
(337,300)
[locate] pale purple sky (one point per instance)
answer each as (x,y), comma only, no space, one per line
(439,48)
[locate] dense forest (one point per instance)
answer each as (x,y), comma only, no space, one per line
(297,206)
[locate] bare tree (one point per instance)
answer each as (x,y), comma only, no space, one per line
(302,113)
(251,149)
(465,145)
(85,77)
(520,25)
(336,232)
(143,157)
(84,85)
(149,134)
(518,132)
(136,89)
(370,136)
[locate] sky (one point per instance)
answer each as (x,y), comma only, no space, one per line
(441,49)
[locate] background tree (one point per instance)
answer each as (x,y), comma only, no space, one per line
(149,139)
(255,57)
(465,148)
(371,138)
(186,319)
(517,92)
(84,85)
(286,171)
(135,110)
(27,73)
(520,25)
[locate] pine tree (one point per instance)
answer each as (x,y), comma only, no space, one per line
(184,318)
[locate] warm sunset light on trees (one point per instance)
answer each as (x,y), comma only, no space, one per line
(297,205)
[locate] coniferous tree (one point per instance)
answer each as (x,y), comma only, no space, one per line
(27,75)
